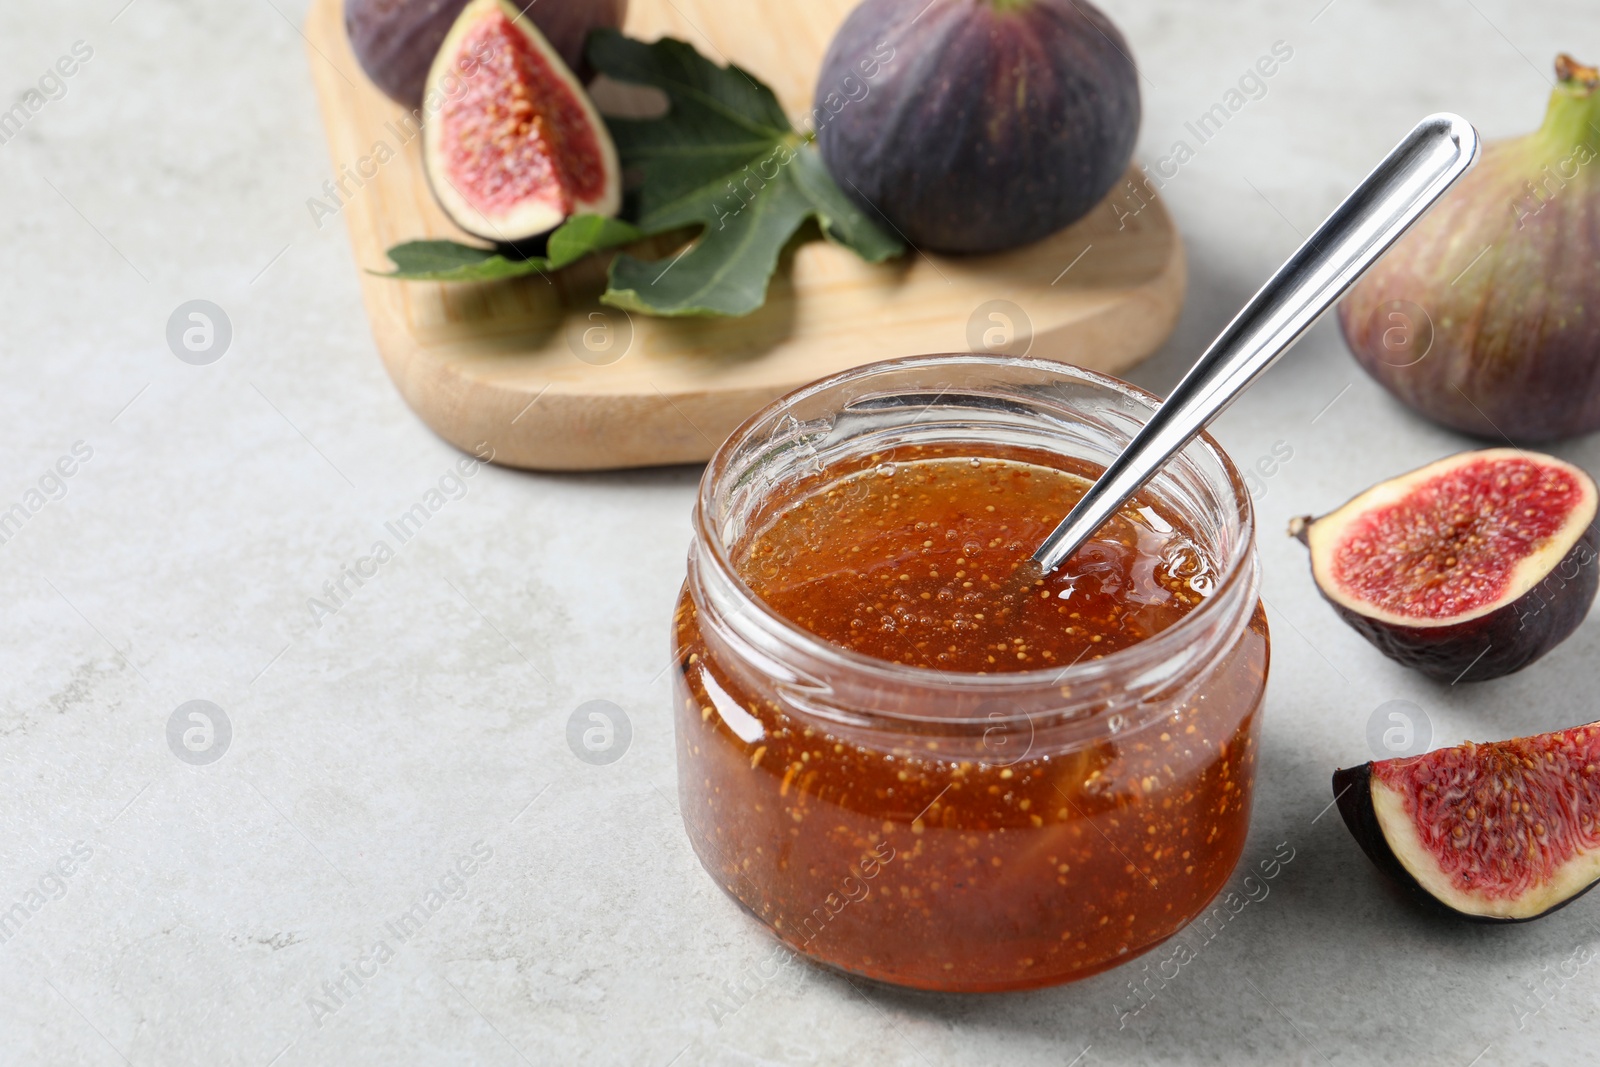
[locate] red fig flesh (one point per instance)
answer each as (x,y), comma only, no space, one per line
(516,147)
(1499,832)
(1467,569)
(1485,316)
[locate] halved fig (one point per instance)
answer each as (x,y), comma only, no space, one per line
(516,146)
(1467,569)
(1500,832)
(396,40)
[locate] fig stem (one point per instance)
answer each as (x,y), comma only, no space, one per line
(1570,70)
(1572,121)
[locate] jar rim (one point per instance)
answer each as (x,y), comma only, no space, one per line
(1239,567)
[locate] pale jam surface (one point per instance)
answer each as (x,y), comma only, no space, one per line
(516,132)
(948,863)
(1451,545)
(1503,818)
(923,558)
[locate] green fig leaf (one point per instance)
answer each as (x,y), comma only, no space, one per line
(726,271)
(450,261)
(584,235)
(842,222)
(724,161)
(724,158)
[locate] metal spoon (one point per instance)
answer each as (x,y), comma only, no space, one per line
(1426,163)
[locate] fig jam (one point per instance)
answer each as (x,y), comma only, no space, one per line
(1025,843)
(922,558)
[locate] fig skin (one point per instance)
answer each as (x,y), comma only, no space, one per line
(1352,787)
(977,126)
(396,40)
(1515,635)
(1485,317)
(1499,642)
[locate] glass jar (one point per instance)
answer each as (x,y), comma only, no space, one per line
(962,831)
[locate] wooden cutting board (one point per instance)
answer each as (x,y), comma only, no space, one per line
(549,378)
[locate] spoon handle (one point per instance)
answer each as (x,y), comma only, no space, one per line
(1420,169)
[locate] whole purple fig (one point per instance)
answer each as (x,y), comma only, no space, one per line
(1485,317)
(977,125)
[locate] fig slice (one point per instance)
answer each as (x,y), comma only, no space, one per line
(516,147)
(1500,832)
(1467,569)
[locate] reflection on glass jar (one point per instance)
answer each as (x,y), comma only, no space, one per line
(914,760)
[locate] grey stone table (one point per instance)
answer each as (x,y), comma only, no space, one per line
(408,745)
